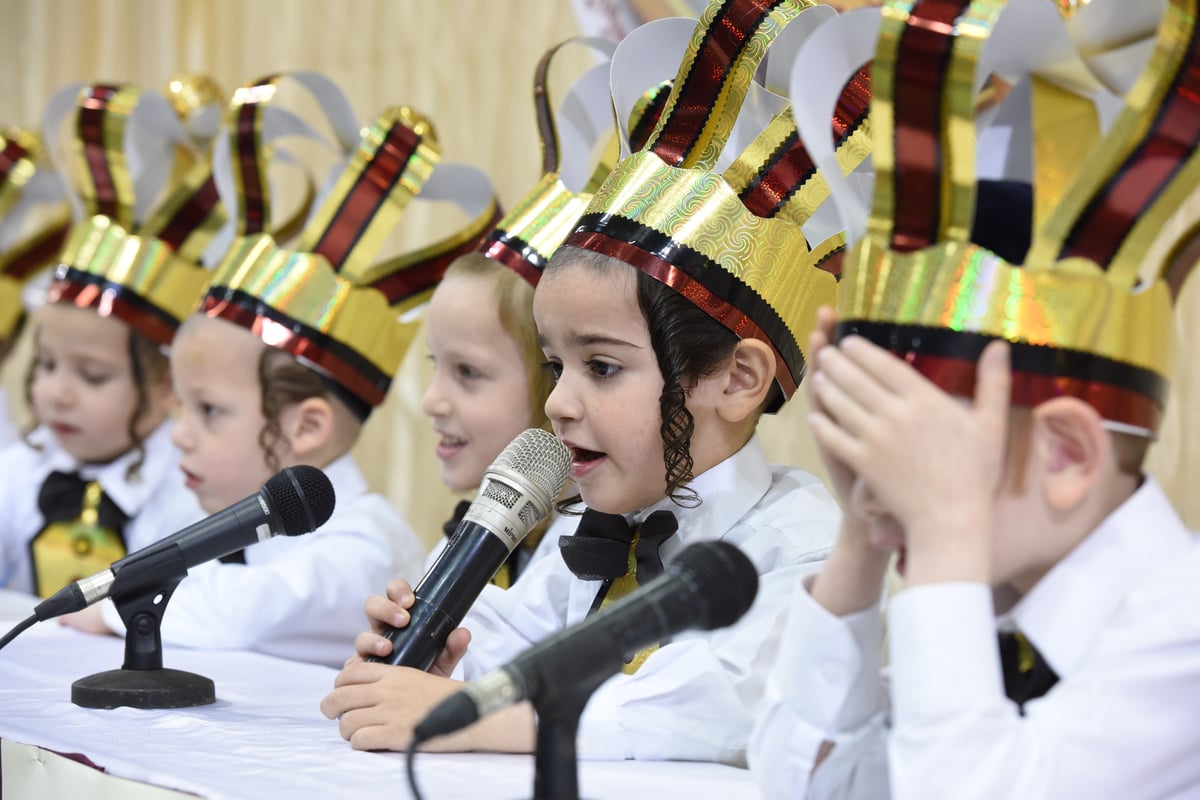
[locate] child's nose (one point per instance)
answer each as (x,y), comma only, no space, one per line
(433,401)
(180,435)
(562,404)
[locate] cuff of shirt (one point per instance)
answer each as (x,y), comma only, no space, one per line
(828,668)
(943,648)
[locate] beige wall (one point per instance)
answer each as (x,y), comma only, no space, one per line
(466,63)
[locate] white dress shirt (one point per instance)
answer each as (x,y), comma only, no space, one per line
(298,597)
(1116,620)
(156,500)
(695,698)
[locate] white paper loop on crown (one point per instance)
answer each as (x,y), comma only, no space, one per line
(821,69)
(645,58)
(280,123)
(44,188)
(585,116)
(152,133)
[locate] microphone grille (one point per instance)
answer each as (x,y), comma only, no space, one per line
(538,456)
(303,498)
(723,579)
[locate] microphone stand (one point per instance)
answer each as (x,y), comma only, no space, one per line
(559,703)
(142,682)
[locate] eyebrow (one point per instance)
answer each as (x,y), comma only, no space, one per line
(591,340)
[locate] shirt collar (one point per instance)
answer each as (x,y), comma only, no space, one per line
(346,478)
(1063,614)
(159,461)
(728,491)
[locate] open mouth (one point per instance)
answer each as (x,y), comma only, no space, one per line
(580,455)
(449,446)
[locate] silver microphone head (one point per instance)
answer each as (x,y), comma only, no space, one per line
(520,486)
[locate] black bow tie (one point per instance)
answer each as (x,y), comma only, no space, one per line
(1027,674)
(61,500)
(599,549)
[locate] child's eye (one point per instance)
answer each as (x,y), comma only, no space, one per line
(43,364)
(602,369)
(552,367)
(95,378)
(467,372)
(208,410)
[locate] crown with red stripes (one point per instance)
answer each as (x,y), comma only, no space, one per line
(33,219)
(1089,312)
(734,241)
(526,238)
(326,299)
(130,255)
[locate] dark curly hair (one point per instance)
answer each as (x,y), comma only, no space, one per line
(689,345)
(149,366)
(283,381)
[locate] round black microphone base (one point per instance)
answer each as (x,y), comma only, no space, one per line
(143,688)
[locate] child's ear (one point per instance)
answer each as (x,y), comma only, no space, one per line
(1072,447)
(308,426)
(748,379)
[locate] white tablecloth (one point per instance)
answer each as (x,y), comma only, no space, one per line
(265,736)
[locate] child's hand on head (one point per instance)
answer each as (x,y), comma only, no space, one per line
(933,461)
(841,476)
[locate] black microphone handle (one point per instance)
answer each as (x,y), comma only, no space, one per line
(214,536)
(443,597)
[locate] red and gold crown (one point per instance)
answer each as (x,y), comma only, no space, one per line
(734,242)
(326,300)
(128,254)
(33,219)
(1087,314)
(528,235)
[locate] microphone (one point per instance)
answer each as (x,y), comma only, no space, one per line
(710,585)
(516,493)
(296,500)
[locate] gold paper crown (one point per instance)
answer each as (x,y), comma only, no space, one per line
(146,272)
(1080,321)
(326,302)
(11,309)
(731,243)
(526,237)
(22,163)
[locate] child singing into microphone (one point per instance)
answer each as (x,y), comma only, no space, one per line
(658,399)
(488,383)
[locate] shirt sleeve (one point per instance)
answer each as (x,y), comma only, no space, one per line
(296,597)
(824,687)
(1121,725)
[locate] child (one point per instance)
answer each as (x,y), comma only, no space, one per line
(642,368)
(1022,511)
(488,383)
(98,477)
(290,352)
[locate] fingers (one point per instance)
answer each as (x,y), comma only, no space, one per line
(452,653)
(376,737)
(384,612)
(369,643)
(836,441)
(993,382)
(400,592)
